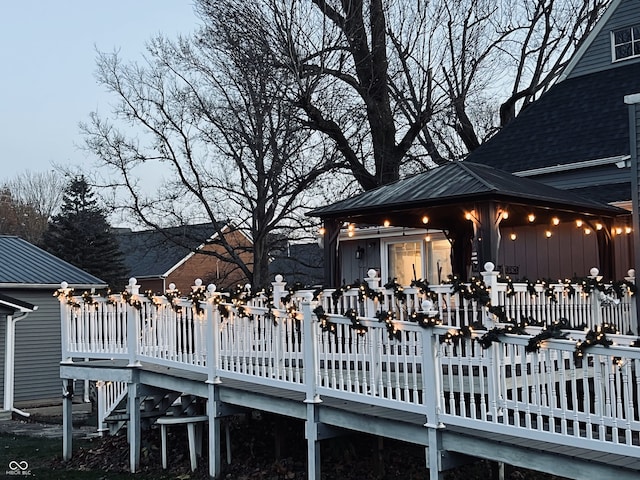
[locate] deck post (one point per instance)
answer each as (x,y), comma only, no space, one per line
(132,325)
(67,418)
(490,278)
(433,454)
(310,358)
(65,319)
(133,428)
(213,338)
(432,392)
(374,284)
(213,411)
(596,308)
(633,311)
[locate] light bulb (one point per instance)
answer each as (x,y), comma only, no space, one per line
(531,217)
(555,220)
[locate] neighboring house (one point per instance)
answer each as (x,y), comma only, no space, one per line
(180,255)
(300,263)
(30,321)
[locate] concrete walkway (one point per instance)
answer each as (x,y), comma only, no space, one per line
(46,422)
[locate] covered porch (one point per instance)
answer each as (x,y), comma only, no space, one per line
(479,209)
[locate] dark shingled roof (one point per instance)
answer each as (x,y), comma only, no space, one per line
(581,118)
(152,253)
(300,263)
(459,183)
(22,263)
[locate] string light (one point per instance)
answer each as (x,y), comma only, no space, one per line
(531,218)
(386,223)
(513,236)
(598,226)
(505,214)
(618,230)
(425,219)
(322,231)
(427,238)
(578,223)
(587,231)
(555,221)
(548,233)
(627,230)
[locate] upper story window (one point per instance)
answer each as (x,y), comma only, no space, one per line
(626,43)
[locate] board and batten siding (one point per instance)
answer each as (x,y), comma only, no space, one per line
(598,56)
(37,350)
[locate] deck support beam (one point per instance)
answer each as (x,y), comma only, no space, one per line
(313,442)
(433,454)
(67,418)
(213,410)
(133,427)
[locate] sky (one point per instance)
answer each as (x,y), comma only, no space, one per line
(47,65)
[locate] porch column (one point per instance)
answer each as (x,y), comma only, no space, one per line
(634,143)
(461,238)
(606,251)
(330,246)
(488,234)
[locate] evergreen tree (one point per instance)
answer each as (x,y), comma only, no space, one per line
(81,235)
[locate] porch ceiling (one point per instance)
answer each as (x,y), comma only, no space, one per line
(446,193)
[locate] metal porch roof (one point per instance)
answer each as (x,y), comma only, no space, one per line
(460,184)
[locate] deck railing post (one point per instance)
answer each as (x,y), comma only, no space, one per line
(65,320)
(490,278)
(634,322)
(278,290)
(374,284)
(132,325)
(431,377)
(594,299)
(213,337)
(310,354)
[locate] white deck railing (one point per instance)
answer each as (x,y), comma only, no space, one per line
(569,383)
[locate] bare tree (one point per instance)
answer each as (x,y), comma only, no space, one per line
(218,126)
(28,201)
(399,84)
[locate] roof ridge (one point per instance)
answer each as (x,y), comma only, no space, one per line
(484,182)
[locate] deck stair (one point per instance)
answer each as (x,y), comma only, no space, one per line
(156,402)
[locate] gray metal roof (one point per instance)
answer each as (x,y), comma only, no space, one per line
(24,264)
(459,184)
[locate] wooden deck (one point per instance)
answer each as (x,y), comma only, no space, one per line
(335,415)
(568,407)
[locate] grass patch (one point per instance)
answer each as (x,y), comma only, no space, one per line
(44,455)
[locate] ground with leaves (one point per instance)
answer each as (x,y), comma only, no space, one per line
(272,448)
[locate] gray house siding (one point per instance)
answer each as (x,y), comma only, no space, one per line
(353,268)
(584,177)
(598,56)
(37,352)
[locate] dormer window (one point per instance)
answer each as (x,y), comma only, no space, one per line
(626,43)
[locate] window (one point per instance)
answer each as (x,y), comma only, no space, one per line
(414,257)
(405,258)
(626,43)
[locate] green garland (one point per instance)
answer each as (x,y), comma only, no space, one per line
(388,319)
